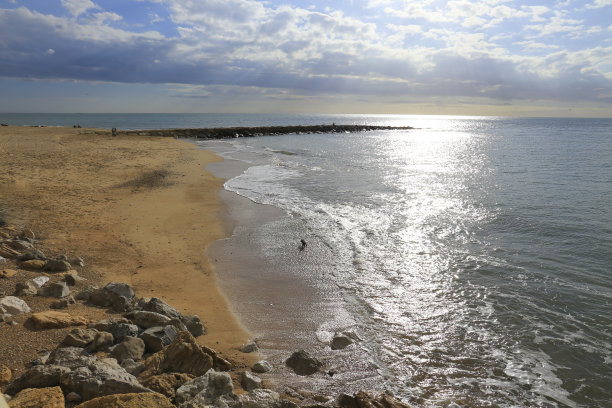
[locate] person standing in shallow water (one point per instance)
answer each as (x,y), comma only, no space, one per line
(303,244)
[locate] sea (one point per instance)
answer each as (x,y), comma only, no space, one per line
(469,259)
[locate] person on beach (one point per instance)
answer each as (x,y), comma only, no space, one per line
(303,244)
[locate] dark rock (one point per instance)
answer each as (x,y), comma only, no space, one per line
(56,290)
(119,296)
(183,355)
(26,288)
(219,363)
(194,325)
(147,319)
(159,306)
(70,357)
(86,292)
(133,367)
(303,364)
(250,347)
(130,348)
(38,377)
(63,303)
(56,265)
(121,330)
(72,279)
(73,398)
(79,338)
(19,245)
(340,341)
(156,338)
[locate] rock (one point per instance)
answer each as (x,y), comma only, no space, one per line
(39,397)
(148,400)
(19,245)
(133,367)
(63,303)
(107,324)
(285,403)
(7,252)
(14,305)
(34,264)
(28,234)
(25,288)
(56,290)
(85,293)
(38,377)
(77,261)
(130,348)
(250,347)
(79,338)
(73,398)
(44,357)
(148,319)
(219,363)
(166,384)
(70,357)
(156,338)
(183,355)
(7,273)
(178,325)
(72,278)
(205,390)
(102,341)
(57,265)
(99,378)
(262,367)
(159,306)
(340,341)
(249,381)
(121,330)
(121,290)
(2,260)
(36,254)
(119,296)
(303,364)
(194,325)
(40,281)
(53,320)
(5,375)
(366,400)
(260,398)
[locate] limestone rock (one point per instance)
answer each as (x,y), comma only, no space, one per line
(249,347)
(303,364)
(130,348)
(340,341)
(183,355)
(260,398)
(147,319)
(5,375)
(34,264)
(79,338)
(149,400)
(56,290)
(249,381)
(205,390)
(39,397)
(262,367)
(53,320)
(159,306)
(14,305)
(35,254)
(194,325)
(156,338)
(166,384)
(7,273)
(57,265)
(219,363)
(38,377)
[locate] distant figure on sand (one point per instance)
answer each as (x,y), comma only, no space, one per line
(114,130)
(303,244)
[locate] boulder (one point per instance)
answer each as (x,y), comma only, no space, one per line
(219,363)
(72,278)
(367,400)
(102,341)
(130,348)
(303,364)
(147,320)
(159,306)
(86,292)
(260,398)
(33,264)
(39,397)
(56,290)
(70,357)
(53,320)
(166,384)
(133,367)
(98,378)
(194,325)
(183,355)
(7,273)
(262,367)
(38,377)
(205,390)
(148,400)
(73,398)
(121,290)
(121,330)
(79,338)
(14,305)
(249,347)
(340,341)
(57,265)
(35,254)
(119,296)
(156,338)
(39,281)
(63,303)
(5,375)
(249,381)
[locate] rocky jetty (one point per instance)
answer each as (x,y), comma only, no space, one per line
(235,132)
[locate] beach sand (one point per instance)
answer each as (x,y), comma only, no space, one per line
(139,210)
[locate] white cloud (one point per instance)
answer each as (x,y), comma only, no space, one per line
(78,7)
(599,4)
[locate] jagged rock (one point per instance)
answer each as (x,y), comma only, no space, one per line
(366,400)
(28,234)
(86,292)
(63,303)
(39,397)
(130,348)
(147,319)
(119,296)
(205,390)
(159,306)
(121,289)
(219,363)
(56,290)
(73,398)
(57,265)
(79,338)
(36,254)
(101,341)
(33,264)
(166,384)
(148,400)
(183,355)
(5,375)
(178,325)
(99,378)
(107,324)
(250,347)
(262,367)
(44,357)
(260,398)
(121,330)
(53,320)
(303,364)
(249,381)
(133,367)
(14,305)
(7,273)
(194,325)
(70,357)
(19,245)
(156,338)
(31,286)
(39,281)
(38,377)
(72,278)
(340,341)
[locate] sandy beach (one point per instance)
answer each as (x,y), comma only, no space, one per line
(139,210)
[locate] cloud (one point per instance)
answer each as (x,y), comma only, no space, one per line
(78,7)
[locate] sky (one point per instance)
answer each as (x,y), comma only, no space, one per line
(485,57)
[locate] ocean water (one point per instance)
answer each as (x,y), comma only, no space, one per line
(470,258)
